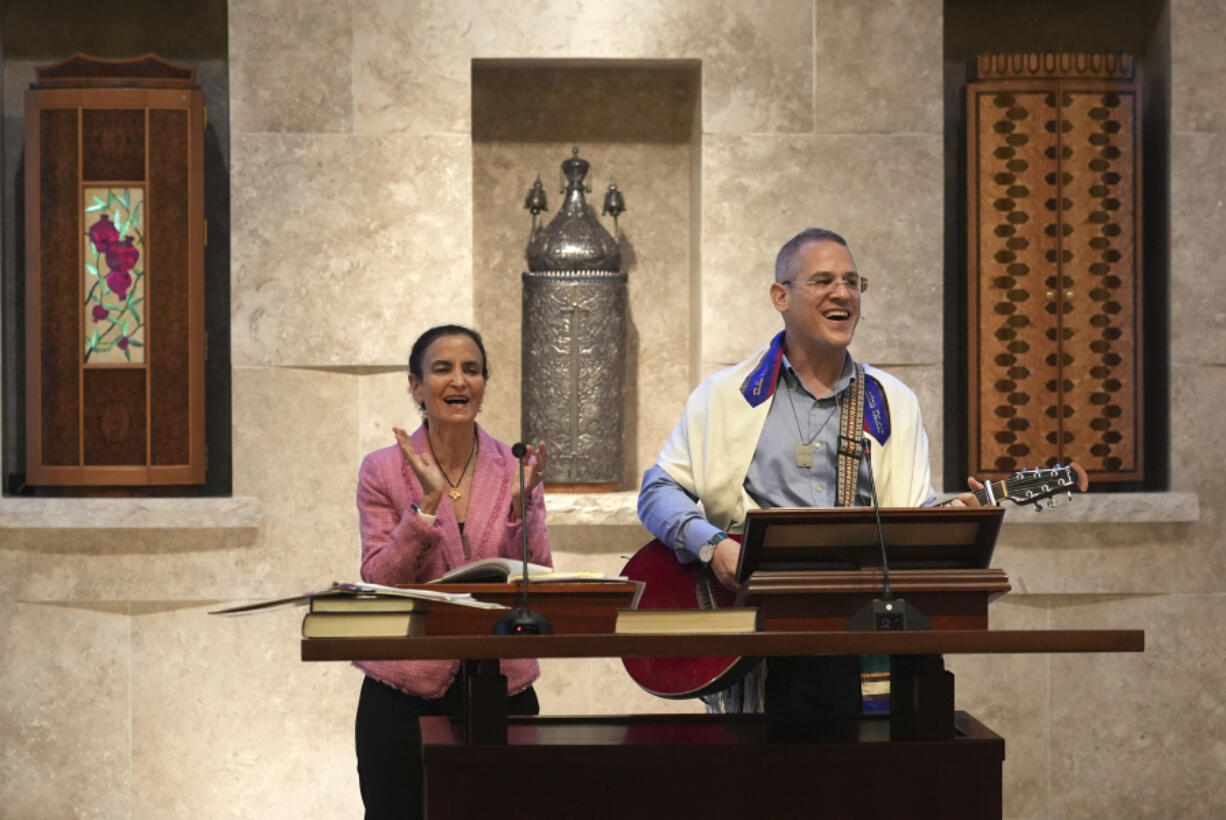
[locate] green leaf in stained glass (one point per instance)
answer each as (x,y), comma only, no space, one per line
(125,327)
(127,198)
(111,307)
(135,315)
(99,200)
(93,340)
(93,208)
(93,270)
(127,354)
(135,343)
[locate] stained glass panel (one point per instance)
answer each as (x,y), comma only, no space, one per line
(115,313)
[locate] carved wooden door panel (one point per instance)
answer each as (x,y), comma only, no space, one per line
(1054,265)
(114,274)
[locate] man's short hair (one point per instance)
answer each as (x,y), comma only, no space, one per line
(786,259)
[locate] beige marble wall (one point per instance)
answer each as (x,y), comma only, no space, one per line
(65,710)
(355,169)
(760,190)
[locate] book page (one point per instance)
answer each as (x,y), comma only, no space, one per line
(357,590)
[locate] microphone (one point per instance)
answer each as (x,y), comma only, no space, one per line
(886,612)
(523,621)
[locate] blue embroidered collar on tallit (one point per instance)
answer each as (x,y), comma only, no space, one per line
(762,382)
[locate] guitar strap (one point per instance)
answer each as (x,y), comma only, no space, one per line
(851,440)
(874,669)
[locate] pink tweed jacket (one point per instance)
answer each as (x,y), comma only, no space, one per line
(399,547)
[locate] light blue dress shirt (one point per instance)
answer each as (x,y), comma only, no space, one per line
(774,479)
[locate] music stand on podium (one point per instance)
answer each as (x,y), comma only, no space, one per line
(845,538)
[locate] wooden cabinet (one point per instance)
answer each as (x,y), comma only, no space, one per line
(114,199)
(1054,273)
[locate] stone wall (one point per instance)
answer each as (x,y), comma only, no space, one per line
(362,213)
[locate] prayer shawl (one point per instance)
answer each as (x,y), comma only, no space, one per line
(709,452)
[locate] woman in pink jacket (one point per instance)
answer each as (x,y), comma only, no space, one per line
(437,499)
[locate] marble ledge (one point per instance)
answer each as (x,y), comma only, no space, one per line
(618,509)
(564,509)
(592,509)
(234,513)
(1112,508)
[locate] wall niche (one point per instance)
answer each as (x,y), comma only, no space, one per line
(638,123)
(195,34)
(1141,29)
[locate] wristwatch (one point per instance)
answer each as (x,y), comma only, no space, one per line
(707,551)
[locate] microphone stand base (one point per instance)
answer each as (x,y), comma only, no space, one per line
(523,621)
(892,614)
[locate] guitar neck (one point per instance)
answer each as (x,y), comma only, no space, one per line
(999,491)
(1031,486)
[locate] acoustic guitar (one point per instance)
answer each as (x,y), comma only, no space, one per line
(670,584)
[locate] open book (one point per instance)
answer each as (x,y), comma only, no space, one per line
(355,592)
(499,570)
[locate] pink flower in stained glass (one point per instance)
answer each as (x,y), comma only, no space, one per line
(122,256)
(103,234)
(119,281)
(122,344)
(100,313)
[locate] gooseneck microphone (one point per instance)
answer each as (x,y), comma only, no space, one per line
(523,621)
(886,612)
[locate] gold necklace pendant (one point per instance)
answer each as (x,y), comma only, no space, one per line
(455,492)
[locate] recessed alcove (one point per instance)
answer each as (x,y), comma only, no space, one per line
(193,34)
(1140,28)
(637,122)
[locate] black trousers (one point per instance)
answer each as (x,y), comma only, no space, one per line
(388,741)
(813,696)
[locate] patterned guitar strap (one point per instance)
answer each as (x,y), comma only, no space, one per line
(874,669)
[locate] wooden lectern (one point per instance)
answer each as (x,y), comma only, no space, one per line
(926,762)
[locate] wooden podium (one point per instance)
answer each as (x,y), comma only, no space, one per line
(925,761)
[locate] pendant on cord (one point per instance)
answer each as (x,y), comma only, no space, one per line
(804,455)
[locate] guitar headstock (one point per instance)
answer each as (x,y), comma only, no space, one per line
(1032,486)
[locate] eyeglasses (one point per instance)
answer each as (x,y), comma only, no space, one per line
(824,285)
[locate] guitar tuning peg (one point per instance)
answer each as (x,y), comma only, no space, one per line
(1038,507)
(1051,502)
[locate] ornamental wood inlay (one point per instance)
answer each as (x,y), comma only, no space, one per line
(1054,271)
(1015,240)
(1101,324)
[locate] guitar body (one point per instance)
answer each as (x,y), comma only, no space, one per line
(670,584)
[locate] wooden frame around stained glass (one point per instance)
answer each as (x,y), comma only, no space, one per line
(123,405)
